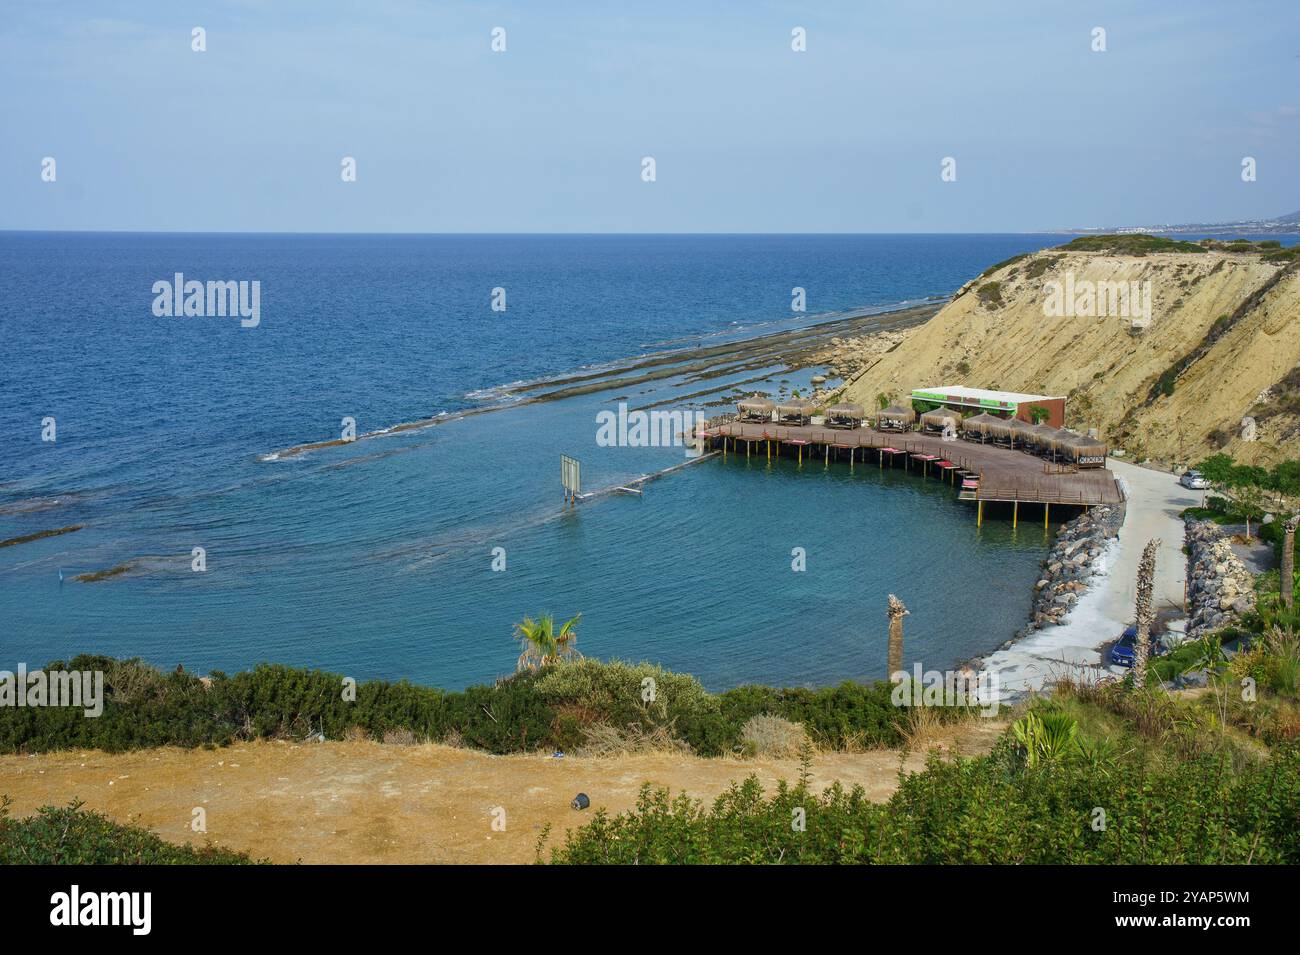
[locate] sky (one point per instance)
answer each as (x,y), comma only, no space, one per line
(747,134)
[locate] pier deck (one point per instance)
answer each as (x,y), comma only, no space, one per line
(1003,474)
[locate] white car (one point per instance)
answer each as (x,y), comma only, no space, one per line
(1194,481)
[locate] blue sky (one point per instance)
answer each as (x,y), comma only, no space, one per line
(748,136)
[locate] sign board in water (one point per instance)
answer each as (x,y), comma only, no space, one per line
(570,474)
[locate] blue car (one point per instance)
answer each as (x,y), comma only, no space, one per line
(1121,654)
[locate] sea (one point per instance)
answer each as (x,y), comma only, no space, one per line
(411,554)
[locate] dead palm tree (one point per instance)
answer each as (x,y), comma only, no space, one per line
(897,611)
(1146,580)
(543,644)
(1288,560)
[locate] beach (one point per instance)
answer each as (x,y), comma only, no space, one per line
(1155,500)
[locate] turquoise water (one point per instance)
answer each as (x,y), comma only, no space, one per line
(375,559)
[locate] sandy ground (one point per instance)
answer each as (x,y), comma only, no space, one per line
(1155,499)
(364,802)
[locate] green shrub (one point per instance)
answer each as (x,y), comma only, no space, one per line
(74,836)
(990,294)
(528,711)
(146,708)
(1135,244)
(974,811)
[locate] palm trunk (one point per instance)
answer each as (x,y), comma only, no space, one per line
(1288,561)
(1146,579)
(896,613)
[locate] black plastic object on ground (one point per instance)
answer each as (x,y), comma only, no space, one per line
(580,801)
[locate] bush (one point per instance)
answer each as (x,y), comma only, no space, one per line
(974,811)
(990,294)
(772,736)
(146,708)
(550,709)
(1134,244)
(75,836)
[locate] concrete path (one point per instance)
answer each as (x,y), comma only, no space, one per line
(1155,499)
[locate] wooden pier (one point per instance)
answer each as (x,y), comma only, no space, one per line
(982,473)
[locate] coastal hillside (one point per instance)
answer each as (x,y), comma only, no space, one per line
(1222,342)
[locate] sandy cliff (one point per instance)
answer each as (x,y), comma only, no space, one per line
(1222,342)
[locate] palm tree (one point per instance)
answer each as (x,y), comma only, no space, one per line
(543,645)
(1146,579)
(896,613)
(882,400)
(1288,560)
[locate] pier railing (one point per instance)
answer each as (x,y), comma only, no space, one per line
(1036,495)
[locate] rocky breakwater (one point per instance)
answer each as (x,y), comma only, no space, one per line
(1219,588)
(1073,560)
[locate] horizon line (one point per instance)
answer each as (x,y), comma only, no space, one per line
(7,231)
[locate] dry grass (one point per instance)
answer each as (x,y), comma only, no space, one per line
(772,736)
(921,728)
(604,740)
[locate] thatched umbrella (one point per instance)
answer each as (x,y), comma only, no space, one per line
(755,408)
(795,411)
(844,416)
(895,418)
(980,423)
(1041,435)
(941,418)
(1018,430)
(1086,452)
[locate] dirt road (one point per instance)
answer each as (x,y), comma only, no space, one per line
(363,802)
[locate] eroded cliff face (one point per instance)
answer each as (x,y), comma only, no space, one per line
(1221,342)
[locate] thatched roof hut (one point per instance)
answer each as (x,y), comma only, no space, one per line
(755,408)
(1020,432)
(895,418)
(941,418)
(795,411)
(1011,430)
(844,416)
(1086,452)
(1042,435)
(980,423)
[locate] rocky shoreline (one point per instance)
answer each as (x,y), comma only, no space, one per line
(1069,565)
(1219,587)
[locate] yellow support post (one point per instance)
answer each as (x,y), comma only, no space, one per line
(979,514)
(1015,511)
(1047,509)
(800,455)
